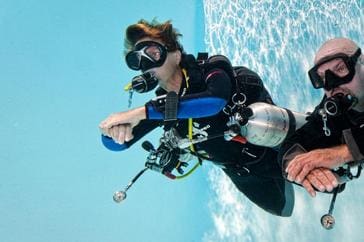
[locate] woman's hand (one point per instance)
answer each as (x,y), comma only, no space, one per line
(119,126)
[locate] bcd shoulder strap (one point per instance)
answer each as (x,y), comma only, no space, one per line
(244,81)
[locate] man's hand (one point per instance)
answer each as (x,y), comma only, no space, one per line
(302,164)
(322,179)
(119,126)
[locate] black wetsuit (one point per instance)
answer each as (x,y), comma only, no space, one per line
(347,128)
(254,170)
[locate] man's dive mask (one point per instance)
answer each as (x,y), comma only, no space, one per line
(342,72)
(146,55)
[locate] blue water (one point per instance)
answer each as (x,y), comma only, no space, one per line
(62,72)
(278,39)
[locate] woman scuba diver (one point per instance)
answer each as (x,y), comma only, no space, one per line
(207,93)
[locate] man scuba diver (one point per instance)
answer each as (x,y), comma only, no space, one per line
(328,150)
(334,134)
(205,96)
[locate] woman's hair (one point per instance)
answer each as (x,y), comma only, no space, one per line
(161,31)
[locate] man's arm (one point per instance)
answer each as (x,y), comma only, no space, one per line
(305,168)
(306,139)
(321,179)
(332,157)
(354,139)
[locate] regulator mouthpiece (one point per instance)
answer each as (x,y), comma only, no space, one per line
(144,82)
(339,104)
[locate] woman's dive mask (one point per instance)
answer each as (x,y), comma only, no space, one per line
(146,55)
(342,72)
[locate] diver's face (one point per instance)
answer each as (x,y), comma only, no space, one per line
(340,73)
(165,71)
(354,87)
(338,67)
(145,55)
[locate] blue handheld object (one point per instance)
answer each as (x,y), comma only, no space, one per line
(111,144)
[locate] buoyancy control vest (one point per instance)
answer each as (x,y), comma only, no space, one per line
(247,86)
(249,93)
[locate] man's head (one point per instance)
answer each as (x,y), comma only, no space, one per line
(339,68)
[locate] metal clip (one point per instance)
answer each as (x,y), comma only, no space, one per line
(238,101)
(228,110)
(245,150)
(324,120)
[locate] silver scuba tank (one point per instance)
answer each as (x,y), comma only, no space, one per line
(268,125)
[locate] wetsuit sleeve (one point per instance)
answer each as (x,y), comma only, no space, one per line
(354,139)
(197,105)
(309,137)
(144,127)
(293,145)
